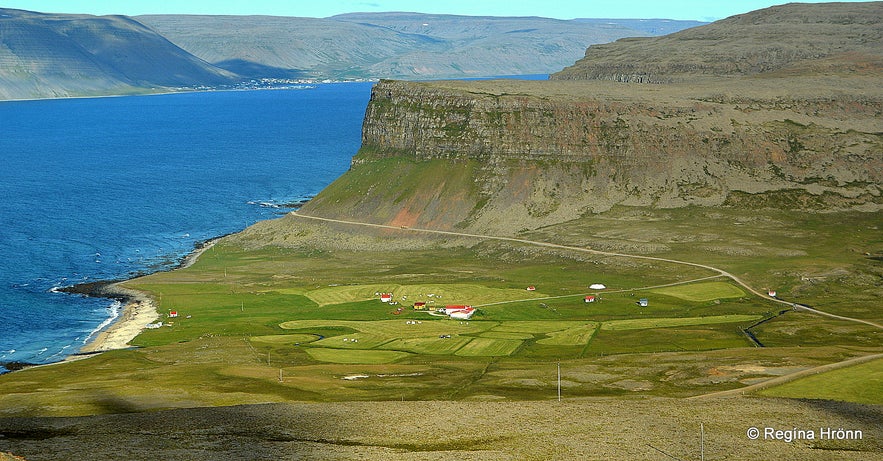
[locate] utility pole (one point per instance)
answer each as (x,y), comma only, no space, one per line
(701,442)
(559,381)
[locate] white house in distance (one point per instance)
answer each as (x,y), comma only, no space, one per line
(464,314)
(590,298)
(385,297)
(460,312)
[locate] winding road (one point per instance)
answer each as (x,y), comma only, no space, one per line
(720,272)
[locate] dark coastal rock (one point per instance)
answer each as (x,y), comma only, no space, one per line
(98,289)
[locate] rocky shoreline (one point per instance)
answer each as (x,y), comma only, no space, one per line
(138,310)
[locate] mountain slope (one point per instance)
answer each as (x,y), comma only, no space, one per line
(389,45)
(505,156)
(55,55)
(757,42)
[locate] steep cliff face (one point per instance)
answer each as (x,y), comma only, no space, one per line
(780,107)
(530,154)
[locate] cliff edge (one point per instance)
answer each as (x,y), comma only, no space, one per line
(505,156)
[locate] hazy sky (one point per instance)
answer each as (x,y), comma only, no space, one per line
(703,10)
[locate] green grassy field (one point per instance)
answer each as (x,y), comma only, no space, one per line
(644,324)
(259,311)
(861,383)
(707,291)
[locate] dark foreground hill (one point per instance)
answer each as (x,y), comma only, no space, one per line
(54,55)
(614,429)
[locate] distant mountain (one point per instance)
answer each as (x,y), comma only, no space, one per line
(649,26)
(762,41)
(387,45)
(58,55)
(61,55)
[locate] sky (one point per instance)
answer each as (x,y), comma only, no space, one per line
(701,10)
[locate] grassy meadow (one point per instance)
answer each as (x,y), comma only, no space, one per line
(300,319)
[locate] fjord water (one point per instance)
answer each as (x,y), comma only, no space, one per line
(97,189)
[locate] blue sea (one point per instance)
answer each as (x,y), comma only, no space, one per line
(105,188)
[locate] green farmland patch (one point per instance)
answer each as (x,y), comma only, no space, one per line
(699,292)
(861,383)
(641,324)
(488,347)
(573,336)
(539,326)
(395,328)
(353,341)
(493,334)
(696,338)
(357,356)
(429,345)
(348,293)
(284,339)
(440,294)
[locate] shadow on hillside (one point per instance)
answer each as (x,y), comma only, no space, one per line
(271,431)
(250,69)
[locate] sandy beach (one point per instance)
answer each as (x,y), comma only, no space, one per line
(138,311)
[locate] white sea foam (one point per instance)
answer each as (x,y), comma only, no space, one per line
(114,310)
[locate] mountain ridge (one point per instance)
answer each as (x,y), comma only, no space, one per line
(387,45)
(756,42)
(46,55)
(512,156)
(50,55)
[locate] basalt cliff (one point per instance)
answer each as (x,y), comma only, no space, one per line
(510,155)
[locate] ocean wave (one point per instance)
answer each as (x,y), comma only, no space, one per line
(115,309)
(60,353)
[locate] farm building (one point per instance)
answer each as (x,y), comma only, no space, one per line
(772,293)
(643,302)
(531,288)
(173,314)
(463,314)
(590,299)
(455,308)
(385,297)
(419,306)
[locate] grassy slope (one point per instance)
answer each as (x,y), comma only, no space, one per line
(241,293)
(863,382)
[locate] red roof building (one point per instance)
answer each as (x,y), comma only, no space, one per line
(590,299)
(451,309)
